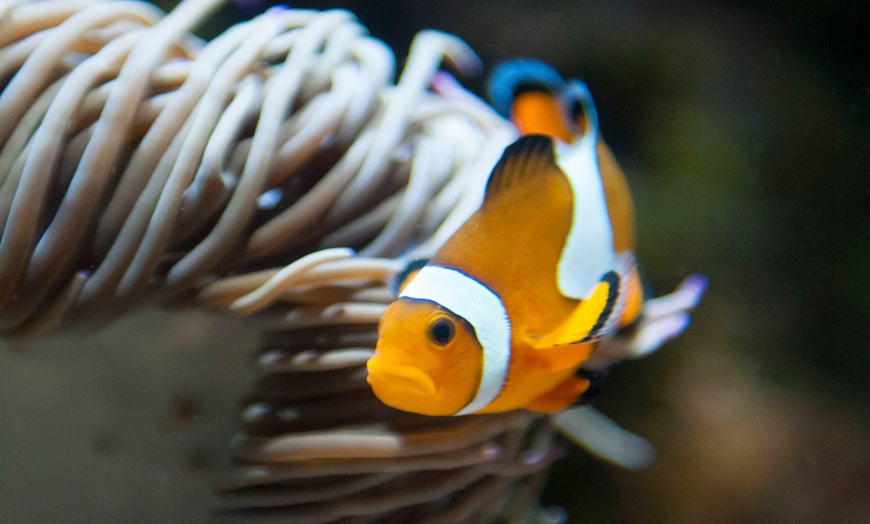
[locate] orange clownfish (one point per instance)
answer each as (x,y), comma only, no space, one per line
(504,314)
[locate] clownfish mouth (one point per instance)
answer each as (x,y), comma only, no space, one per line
(399,377)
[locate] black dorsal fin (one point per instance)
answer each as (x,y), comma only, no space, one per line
(403,277)
(526,159)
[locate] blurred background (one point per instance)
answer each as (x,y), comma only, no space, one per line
(744,130)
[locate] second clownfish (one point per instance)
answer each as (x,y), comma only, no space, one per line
(504,314)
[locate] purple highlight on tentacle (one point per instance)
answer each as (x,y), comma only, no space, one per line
(543,457)
(533,456)
(531,461)
(442,82)
(275,9)
(490,451)
(696,284)
(446,85)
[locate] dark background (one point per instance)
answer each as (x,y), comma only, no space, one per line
(744,130)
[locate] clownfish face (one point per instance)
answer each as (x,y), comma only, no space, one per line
(427,360)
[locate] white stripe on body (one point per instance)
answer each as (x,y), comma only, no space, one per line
(588,253)
(480,307)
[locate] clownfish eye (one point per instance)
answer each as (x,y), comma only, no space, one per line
(441,331)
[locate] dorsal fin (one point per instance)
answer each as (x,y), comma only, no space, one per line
(526,159)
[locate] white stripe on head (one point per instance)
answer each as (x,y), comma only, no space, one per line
(588,251)
(480,307)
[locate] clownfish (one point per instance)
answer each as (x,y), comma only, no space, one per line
(507,310)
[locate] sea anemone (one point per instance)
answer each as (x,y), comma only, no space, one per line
(275,170)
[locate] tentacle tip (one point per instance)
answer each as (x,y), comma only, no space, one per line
(257,5)
(348,252)
(696,283)
(255,412)
(490,451)
(469,63)
(269,358)
(270,199)
(455,49)
(533,456)
(552,515)
(642,455)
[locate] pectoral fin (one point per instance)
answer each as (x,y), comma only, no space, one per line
(591,319)
(560,397)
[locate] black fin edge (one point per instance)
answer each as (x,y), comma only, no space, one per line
(612,278)
(530,155)
(412,266)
